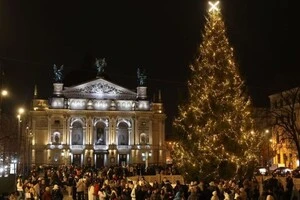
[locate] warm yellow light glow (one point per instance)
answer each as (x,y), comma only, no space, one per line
(267,131)
(4,93)
(21,111)
(213,6)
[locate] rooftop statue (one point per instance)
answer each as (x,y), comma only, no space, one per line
(58,73)
(141,77)
(100,64)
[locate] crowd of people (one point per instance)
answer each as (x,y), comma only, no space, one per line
(115,183)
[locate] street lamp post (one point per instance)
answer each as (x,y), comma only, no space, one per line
(28,149)
(15,162)
(146,155)
(19,116)
(269,154)
(267,157)
(3,94)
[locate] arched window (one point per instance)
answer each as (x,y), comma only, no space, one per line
(100,134)
(122,133)
(144,139)
(55,138)
(77,134)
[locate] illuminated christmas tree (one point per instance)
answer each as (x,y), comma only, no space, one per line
(215,131)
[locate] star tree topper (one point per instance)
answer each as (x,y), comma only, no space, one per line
(214,6)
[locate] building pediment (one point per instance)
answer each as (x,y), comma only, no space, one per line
(98,89)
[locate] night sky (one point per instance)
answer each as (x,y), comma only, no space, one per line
(160,36)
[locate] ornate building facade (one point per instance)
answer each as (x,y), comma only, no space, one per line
(285,112)
(97,123)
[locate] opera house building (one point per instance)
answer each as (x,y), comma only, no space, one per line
(97,123)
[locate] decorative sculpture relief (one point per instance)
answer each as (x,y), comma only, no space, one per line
(100,88)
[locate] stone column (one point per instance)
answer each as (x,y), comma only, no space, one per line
(57,89)
(141,92)
(112,133)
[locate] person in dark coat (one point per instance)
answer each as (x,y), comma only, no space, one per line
(47,194)
(193,194)
(289,187)
(56,193)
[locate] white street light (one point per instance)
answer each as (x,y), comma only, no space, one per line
(21,111)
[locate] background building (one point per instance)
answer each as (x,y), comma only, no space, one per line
(285,112)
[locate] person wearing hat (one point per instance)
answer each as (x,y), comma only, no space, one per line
(56,193)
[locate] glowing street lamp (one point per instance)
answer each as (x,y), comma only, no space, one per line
(21,111)
(4,93)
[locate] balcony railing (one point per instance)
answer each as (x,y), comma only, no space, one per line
(78,147)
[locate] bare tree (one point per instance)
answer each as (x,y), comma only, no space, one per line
(263,122)
(285,112)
